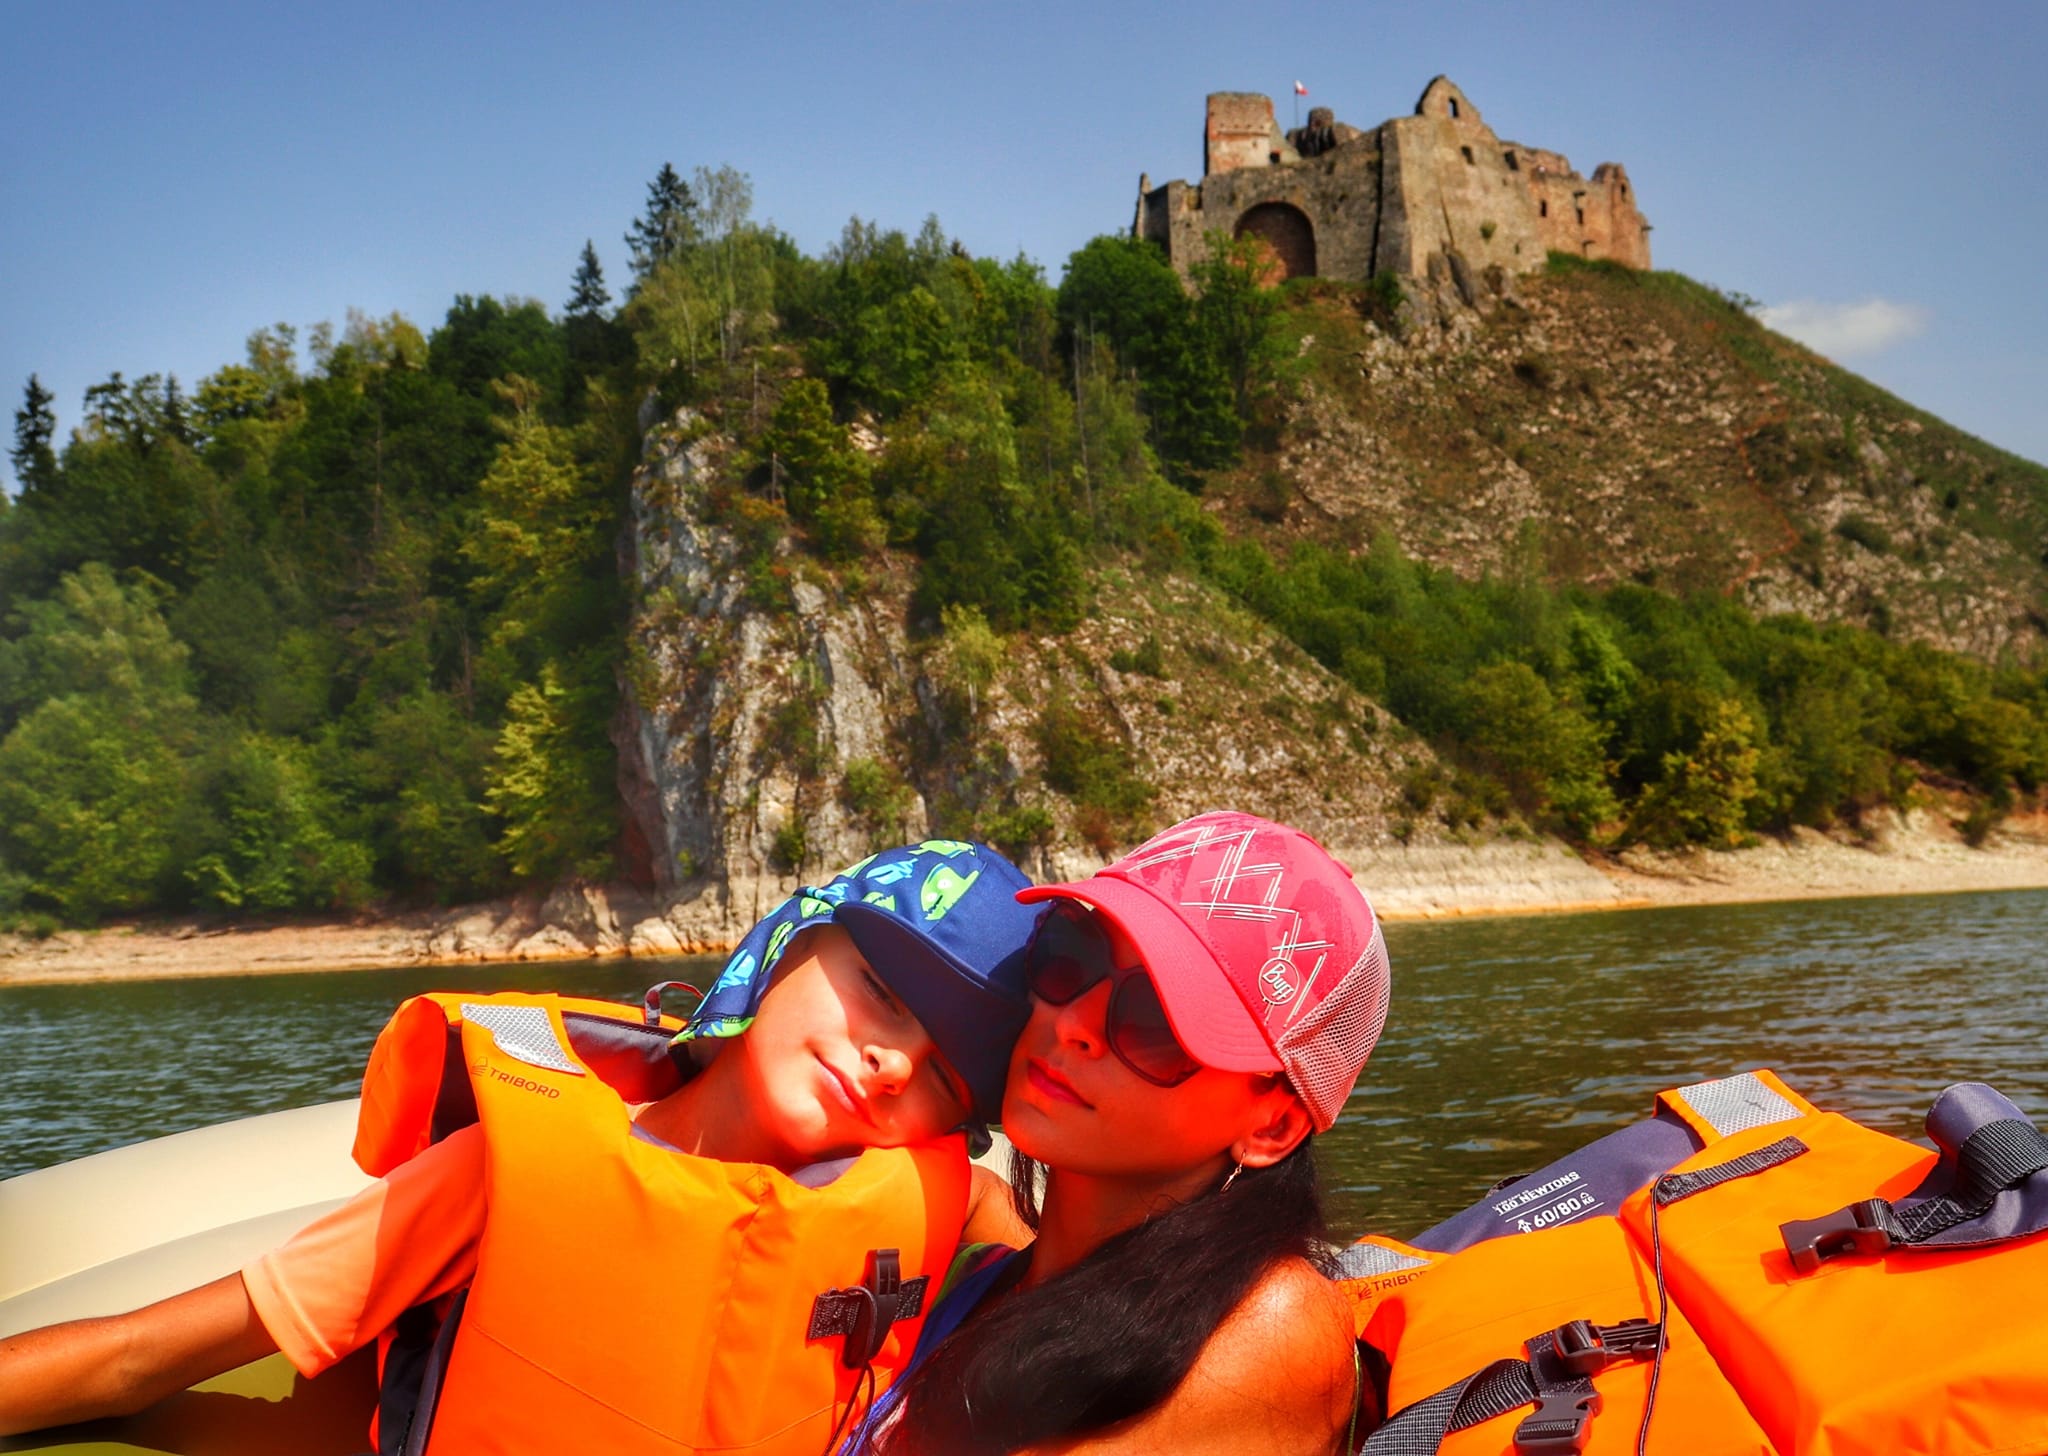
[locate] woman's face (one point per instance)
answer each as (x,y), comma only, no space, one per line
(1071,1104)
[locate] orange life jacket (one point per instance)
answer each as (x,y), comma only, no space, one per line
(1820,1289)
(630,1298)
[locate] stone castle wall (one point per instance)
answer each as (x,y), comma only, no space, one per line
(1333,201)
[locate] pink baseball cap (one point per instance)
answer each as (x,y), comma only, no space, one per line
(1266,956)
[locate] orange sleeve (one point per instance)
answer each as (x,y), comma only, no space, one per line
(343,1279)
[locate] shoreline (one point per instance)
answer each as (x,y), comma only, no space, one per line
(1917,853)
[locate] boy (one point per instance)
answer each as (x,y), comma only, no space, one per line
(631,1251)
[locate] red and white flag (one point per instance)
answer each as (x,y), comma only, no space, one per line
(1299,89)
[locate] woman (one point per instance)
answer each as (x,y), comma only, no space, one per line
(1199,1010)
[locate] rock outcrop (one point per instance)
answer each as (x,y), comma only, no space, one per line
(783,719)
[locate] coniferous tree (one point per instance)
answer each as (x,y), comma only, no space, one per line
(589,298)
(35,423)
(669,222)
(177,417)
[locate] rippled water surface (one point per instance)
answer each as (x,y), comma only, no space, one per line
(1511,1041)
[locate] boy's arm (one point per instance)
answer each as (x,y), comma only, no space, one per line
(121,1363)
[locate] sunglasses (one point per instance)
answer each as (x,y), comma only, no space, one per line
(1070,952)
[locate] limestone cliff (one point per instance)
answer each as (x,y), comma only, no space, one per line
(761,721)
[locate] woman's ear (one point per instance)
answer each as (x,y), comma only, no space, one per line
(1285,1124)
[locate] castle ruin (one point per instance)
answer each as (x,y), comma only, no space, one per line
(1333,201)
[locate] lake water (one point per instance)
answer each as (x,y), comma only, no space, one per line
(1511,1041)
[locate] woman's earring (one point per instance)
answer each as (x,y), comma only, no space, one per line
(1231,1179)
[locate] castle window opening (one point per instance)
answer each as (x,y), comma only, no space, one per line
(1289,238)
(1468,156)
(1543,207)
(1514,165)
(1582,217)
(1272,159)
(1454,107)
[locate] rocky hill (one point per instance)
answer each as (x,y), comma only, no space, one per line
(1628,426)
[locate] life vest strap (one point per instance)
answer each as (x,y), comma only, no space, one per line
(1557,1378)
(863,1312)
(1676,1187)
(1999,1155)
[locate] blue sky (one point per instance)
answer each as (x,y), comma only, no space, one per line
(175,177)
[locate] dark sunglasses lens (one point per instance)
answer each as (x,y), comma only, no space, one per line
(1067,957)
(1143,1037)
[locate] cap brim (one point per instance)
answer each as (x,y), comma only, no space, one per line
(1208,1016)
(971,1022)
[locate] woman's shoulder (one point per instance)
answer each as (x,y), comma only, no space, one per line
(1278,1376)
(1294,1316)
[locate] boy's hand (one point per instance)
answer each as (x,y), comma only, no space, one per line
(117,1365)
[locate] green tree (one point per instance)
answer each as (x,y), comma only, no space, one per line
(668,224)
(1121,292)
(35,424)
(733,259)
(270,842)
(823,478)
(540,543)
(94,637)
(1234,314)
(1546,752)
(94,767)
(549,784)
(1704,796)
(970,656)
(91,797)
(588,297)
(545,585)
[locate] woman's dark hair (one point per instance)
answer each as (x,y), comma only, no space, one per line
(1111,1337)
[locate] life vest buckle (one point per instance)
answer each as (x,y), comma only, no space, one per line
(1585,1348)
(1857,1229)
(1562,1364)
(876,1308)
(1557,1427)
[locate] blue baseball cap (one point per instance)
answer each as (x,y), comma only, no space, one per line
(940,924)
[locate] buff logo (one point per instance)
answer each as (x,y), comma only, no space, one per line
(512,1079)
(1277,977)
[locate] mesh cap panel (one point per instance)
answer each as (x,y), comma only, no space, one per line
(1325,1050)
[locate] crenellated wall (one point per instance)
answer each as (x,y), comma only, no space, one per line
(1334,201)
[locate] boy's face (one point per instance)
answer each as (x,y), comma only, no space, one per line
(834,1062)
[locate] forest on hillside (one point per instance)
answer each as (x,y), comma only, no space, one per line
(343,624)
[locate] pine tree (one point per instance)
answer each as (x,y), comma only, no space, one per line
(177,417)
(669,222)
(35,424)
(589,298)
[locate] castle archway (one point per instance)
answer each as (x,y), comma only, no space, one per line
(1288,235)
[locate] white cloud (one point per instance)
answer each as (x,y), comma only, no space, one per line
(1840,330)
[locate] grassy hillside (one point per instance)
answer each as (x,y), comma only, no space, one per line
(1640,427)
